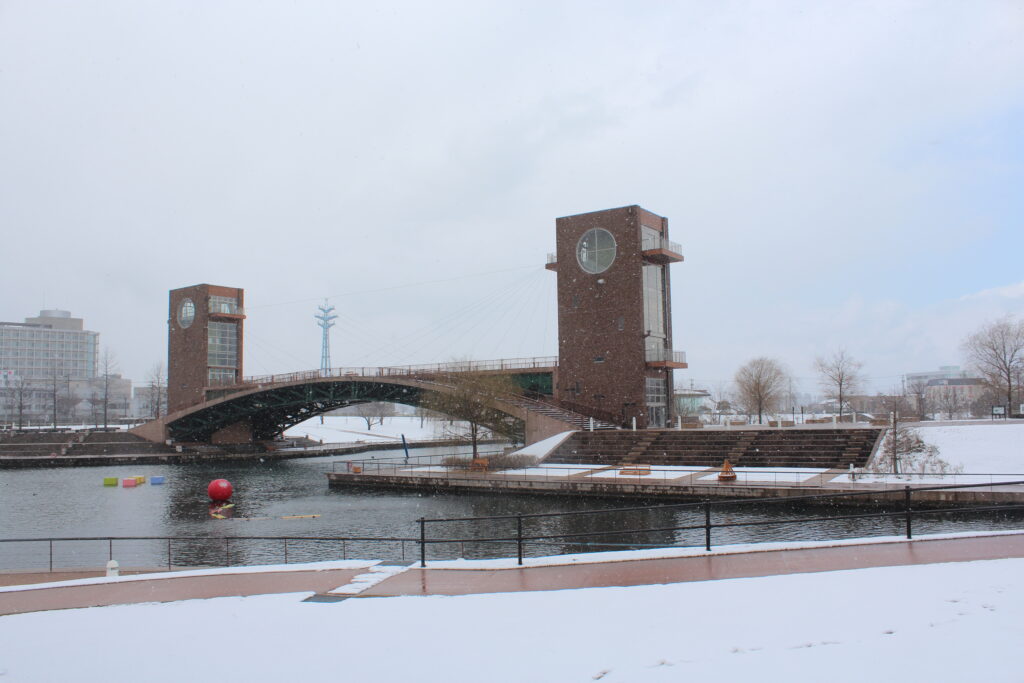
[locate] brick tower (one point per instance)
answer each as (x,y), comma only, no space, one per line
(615,356)
(204,342)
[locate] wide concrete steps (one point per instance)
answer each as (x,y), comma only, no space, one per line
(816,448)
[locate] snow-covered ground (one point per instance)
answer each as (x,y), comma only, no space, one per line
(992,447)
(352,429)
(941,622)
(984,452)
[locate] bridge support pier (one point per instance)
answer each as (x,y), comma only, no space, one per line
(239,432)
(540,427)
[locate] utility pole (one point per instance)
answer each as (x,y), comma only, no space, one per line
(325,319)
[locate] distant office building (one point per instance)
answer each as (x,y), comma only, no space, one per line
(944,372)
(51,345)
(693,402)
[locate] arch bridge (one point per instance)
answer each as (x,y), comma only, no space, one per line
(261,408)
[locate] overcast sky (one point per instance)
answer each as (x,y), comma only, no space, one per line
(837,173)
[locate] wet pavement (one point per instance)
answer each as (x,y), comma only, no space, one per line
(414,580)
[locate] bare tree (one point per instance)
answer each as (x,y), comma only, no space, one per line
(951,402)
(898,442)
(108,365)
(374,412)
(157,383)
(839,376)
(761,386)
(720,397)
(58,403)
(470,397)
(917,389)
(22,395)
(996,352)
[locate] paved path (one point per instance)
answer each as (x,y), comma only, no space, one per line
(172,588)
(437,581)
(416,581)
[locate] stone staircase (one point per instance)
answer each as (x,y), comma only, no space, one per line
(577,420)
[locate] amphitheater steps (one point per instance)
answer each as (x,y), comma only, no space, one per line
(827,449)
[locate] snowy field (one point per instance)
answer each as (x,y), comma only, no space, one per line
(938,623)
(993,447)
(987,452)
(352,429)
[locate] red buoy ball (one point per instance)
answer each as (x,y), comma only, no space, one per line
(220,490)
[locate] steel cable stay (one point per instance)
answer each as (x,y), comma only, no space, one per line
(464,321)
(400,346)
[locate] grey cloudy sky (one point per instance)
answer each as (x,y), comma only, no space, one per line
(837,173)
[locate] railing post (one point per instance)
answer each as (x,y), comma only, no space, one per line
(227,553)
(519,539)
(707,525)
(110,548)
(906,502)
(286,551)
(51,555)
(423,542)
(168,553)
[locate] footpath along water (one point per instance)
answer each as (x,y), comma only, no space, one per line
(292,498)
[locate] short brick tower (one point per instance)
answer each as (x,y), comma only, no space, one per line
(615,356)
(204,342)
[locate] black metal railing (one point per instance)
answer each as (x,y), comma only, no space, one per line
(227,550)
(218,551)
(907,513)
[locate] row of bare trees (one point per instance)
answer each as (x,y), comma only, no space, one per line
(762,384)
(995,352)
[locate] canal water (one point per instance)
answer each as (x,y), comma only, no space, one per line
(280,498)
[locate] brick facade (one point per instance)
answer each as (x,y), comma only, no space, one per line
(188,369)
(603,364)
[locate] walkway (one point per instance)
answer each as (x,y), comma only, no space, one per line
(447,581)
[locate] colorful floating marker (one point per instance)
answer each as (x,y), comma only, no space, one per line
(110,481)
(155,480)
(129,483)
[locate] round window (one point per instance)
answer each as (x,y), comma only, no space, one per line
(596,250)
(186,313)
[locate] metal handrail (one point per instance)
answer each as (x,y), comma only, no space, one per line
(538,362)
(655,243)
(659,355)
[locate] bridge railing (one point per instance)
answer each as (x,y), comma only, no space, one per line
(537,362)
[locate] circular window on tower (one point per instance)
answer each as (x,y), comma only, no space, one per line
(596,250)
(186,313)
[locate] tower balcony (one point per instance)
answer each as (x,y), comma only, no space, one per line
(665,358)
(552,263)
(661,251)
(227,311)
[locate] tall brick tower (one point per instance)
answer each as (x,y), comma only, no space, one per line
(615,356)
(204,342)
